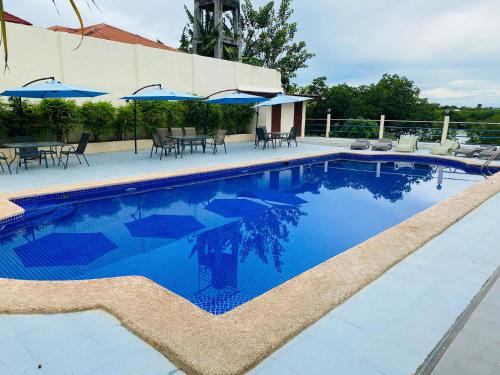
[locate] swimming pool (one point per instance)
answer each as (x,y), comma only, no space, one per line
(224,242)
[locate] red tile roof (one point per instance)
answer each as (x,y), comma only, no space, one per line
(105,31)
(14,19)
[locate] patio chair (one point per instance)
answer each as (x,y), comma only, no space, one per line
(360,144)
(467,151)
(264,137)
(445,148)
(4,159)
(218,140)
(27,154)
(78,151)
(407,143)
(290,137)
(163,133)
(487,154)
(191,132)
(383,144)
(164,144)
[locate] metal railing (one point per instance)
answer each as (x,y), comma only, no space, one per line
(427,131)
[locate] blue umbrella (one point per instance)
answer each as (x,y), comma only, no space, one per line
(164,226)
(52,89)
(282,99)
(158,93)
(236,208)
(236,97)
(154,92)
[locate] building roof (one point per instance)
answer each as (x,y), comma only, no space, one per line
(108,32)
(14,19)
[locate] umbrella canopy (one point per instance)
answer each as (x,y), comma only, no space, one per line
(158,93)
(164,226)
(236,208)
(65,249)
(52,89)
(282,99)
(236,97)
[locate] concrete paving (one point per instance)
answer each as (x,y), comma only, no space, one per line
(476,348)
(87,343)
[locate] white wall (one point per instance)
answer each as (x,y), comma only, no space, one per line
(121,68)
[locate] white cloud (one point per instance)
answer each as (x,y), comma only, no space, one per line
(435,43)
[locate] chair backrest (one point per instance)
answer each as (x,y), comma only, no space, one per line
(362,140)
(156,139)
(293,133)
(408,139)
(385,140)
(163,133)
(27,151)
(82,144)
(451,144)
(190,132)
(220,135)
(261,133)
(176,132)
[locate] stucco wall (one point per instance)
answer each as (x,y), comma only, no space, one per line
(120,68)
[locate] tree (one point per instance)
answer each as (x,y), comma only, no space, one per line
(269,40)
(97,117)
(124,122)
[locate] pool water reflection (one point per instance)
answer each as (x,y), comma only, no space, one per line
(222,243)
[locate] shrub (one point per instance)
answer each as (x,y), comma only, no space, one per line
(98,118)
(358,128)
(124,122)
(58,116)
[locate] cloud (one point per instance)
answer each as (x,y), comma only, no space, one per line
(434,43)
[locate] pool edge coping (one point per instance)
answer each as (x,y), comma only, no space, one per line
(240,339)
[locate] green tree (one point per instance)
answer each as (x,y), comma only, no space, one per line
(59,116)
(269,39)
(98,118)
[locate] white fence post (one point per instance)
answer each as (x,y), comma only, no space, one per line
(446,125)
(382,124)
(328,123)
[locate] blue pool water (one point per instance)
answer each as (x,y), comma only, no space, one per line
(224,242)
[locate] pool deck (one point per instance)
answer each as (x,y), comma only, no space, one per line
(428,290)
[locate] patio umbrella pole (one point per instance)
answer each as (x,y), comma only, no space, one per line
(135,127)
(257,124)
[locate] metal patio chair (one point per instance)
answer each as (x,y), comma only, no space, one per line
(4,159)
(77,151)
(264,137)
(218,140)
(290,137)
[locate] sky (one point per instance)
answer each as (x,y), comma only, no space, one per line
(450,48)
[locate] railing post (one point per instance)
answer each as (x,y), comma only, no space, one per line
(381,129)
(446,125)
(328,122)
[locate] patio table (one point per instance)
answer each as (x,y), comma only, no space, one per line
(191,139)
(279,135)
(51,145)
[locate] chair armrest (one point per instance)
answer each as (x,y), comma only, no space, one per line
(69,148)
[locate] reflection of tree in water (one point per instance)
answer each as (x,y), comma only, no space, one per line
(218,248)
(392,185)
(264,235)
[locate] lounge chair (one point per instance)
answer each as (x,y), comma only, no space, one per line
(218,140)
(77,151)
(407,143)
(467,151)
(290,137)
(360,144)
(487,154)
(27,154)
(263,136)
(4,159)
(445,148)
(383,144)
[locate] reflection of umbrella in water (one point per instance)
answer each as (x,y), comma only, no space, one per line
(164,226)
(236,208)
(65,249)
(274,196)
